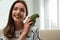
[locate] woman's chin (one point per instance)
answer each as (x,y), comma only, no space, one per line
(17,20)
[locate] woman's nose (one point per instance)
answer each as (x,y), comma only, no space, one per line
(18,11)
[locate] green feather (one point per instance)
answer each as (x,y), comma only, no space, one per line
(33,17)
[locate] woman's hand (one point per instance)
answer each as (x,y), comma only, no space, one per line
(25,29)
(27,25)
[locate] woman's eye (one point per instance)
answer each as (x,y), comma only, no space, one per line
(14,8)
(22,9)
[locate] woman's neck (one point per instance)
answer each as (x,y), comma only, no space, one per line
(19,26)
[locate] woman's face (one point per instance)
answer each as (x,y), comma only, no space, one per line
(18,12)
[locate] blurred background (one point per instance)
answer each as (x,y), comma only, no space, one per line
(47,9)
(49,12)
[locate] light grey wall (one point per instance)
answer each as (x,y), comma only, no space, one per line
(30,6)
(35,6)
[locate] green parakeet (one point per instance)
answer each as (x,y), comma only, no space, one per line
(33,17)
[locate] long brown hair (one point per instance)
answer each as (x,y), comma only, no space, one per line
(9,30)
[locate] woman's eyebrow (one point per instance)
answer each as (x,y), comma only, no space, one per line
(15,7)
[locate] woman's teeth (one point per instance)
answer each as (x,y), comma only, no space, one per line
(17,16)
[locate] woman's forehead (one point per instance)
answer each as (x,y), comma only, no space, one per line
(19,5)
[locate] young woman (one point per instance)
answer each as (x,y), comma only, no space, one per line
(15,28)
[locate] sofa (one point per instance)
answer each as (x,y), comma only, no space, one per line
(50,34)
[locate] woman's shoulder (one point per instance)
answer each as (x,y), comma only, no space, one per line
(2,37)
(1,32)
(34,28)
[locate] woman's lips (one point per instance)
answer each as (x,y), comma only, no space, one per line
(18,16)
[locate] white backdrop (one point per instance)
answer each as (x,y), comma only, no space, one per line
(50,14)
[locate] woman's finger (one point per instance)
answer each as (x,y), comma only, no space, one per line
(29,19)
(30,22)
